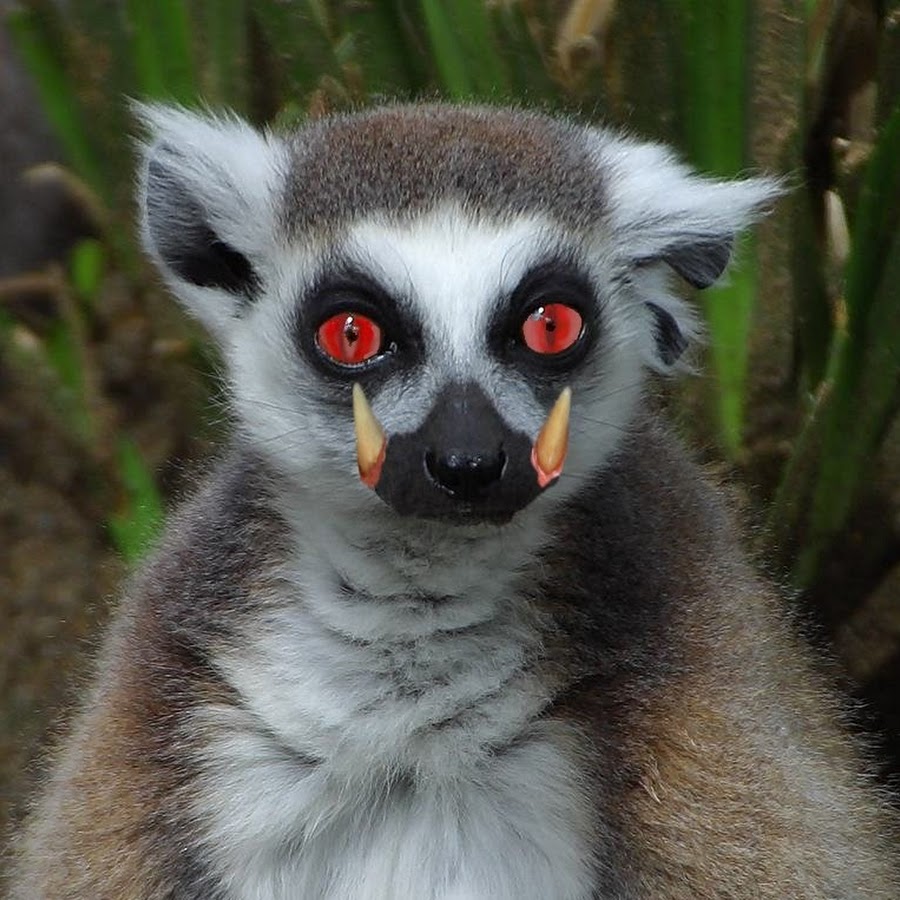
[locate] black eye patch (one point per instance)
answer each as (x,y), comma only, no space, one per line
(556,282)
(346,289)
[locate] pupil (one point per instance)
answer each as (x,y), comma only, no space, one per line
(550,324)
(351,332)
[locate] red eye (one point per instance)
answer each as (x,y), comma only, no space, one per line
(552,328)
(349,338)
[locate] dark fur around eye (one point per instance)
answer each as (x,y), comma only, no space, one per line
(556,280)
(346,289)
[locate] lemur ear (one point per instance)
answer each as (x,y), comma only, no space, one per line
(208,202)
(700,261)
(664,216)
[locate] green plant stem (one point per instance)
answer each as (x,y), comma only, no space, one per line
(714,38)
(35,32)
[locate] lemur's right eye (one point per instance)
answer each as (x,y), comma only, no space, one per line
(349,338)
(552,328)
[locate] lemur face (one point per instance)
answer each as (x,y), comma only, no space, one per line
(445,311)
(457,338)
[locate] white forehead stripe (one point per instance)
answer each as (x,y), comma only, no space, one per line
(451,269)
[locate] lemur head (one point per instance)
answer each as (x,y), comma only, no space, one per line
(453,306)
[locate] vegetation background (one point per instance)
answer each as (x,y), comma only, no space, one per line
(109,398)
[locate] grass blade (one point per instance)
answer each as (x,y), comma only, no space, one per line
(299,53)
(224,70)
(713,67)
(449,56)
(160,32)
(861,391)
(36,33)
(864,379)
(383,50)
(465,50)
(528,70)
(134,529)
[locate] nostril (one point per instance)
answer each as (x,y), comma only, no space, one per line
(465,474)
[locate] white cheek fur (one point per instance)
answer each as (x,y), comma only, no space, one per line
(450,270)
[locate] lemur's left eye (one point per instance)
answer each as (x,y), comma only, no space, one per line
(349,338)
(552,328)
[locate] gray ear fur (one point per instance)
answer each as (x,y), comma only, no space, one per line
(662,214)
(193,251)
(208,189)
(661,211)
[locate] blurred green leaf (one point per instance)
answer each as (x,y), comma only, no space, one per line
(529,77)
(160,35)
(137,526)
(863,381)
(713,64)
(813,318)
(62,353)
(299,52)
(224,53)
(37,34)
(384,48)
(86,266)
(465,51)
(875,227)
(729,314)
(64,356)
(449,54)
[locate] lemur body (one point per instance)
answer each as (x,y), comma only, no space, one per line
(483,678)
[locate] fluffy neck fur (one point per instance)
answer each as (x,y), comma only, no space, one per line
(392,690)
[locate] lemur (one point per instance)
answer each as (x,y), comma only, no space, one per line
(455,617)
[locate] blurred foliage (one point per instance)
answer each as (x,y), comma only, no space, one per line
(847,292)
(714,110)
(689,71)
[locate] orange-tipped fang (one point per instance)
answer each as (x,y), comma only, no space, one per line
(371,442)
(552,444)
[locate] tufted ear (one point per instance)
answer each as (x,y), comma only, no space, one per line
(661,211)
(662,214)
(208,200)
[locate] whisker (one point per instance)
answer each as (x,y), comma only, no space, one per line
(624,387)
(575,476)
(624,429)
(219,421)
(282,435)
(268,404)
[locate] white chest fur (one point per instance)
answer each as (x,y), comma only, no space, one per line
(412,767)
(514,829)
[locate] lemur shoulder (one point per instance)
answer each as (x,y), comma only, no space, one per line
(455,616)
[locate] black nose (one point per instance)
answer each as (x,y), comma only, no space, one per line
(465,475)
